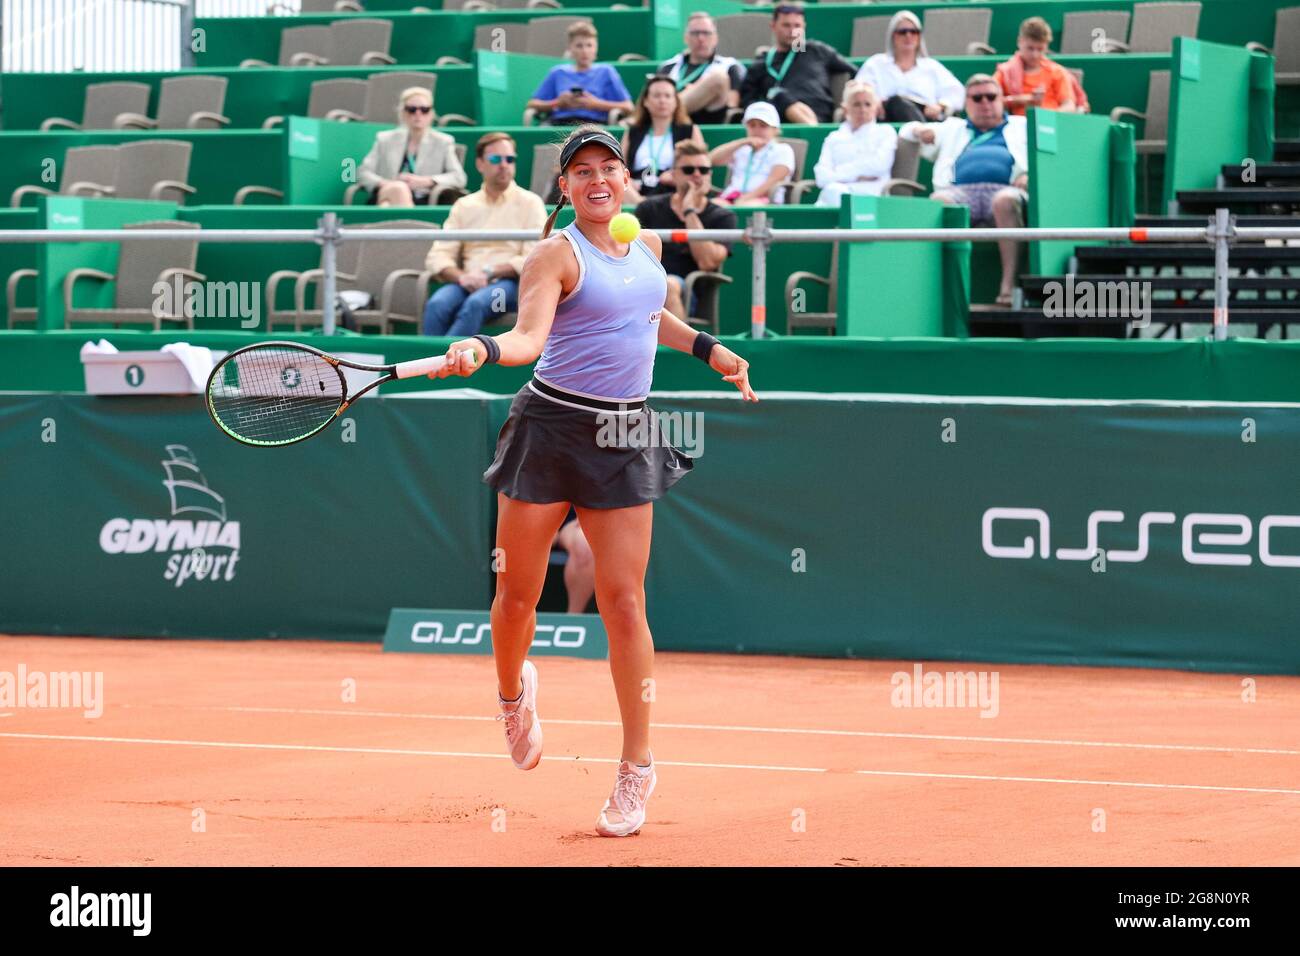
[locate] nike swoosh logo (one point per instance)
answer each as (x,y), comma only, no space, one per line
(628,279)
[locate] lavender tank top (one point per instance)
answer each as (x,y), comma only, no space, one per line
(603,340)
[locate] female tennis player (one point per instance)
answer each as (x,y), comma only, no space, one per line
(593,309)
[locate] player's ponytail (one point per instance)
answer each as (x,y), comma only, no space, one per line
(550,220)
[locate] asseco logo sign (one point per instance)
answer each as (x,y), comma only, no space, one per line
(201,550)
(467,634)
(1242,530)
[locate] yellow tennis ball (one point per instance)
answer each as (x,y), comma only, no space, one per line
(624,227)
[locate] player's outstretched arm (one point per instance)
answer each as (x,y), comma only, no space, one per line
(680,335)
(540,286)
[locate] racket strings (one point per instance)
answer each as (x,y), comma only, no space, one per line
(275,395)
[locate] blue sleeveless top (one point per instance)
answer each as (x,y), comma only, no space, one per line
(603,340)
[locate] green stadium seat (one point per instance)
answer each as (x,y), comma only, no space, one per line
(87,171)
(962,32)
(105,102)
(1081,35)
(1154,27)
(184,102)
(141,264)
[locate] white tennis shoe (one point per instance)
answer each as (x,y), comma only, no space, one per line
(624,811)
(523,729)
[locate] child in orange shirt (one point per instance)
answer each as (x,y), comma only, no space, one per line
(1030,79)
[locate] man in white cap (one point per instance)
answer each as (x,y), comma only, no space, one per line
(759,163)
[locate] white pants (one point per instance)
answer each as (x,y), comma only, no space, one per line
(830,196)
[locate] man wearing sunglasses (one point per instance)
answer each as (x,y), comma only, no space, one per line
(794,75)
(709,83)
(481,279)
(981,162)
(688,207)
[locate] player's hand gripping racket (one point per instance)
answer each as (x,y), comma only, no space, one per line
(278,393)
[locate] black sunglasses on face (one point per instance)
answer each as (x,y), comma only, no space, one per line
(907,30)
(418,109)
(692,170)
(983,97)
(498,160)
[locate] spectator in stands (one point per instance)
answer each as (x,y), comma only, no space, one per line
(406,164)
(483,277)
(759,164)
(859,156)
(658,123)
(708,82)
(794,75)
(981,162)
(910,84)
(580,568)
(1029,78)
(584,92)
(688,207)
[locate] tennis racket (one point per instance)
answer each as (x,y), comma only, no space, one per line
(278,393)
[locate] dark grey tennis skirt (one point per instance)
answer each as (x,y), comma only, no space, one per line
(548,452)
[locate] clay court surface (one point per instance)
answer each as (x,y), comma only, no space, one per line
(257,735)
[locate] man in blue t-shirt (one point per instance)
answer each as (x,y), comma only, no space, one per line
(584,92)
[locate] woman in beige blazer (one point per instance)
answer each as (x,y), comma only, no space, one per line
(407,164)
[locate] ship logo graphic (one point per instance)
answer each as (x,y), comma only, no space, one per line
(188,488)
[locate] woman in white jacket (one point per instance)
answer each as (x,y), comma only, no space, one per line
(859,156)
(407,164)
(911,85)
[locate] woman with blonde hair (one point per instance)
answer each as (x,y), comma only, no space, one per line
(859,156)
(658,124)
(591,314)
(911,84)
(406,164)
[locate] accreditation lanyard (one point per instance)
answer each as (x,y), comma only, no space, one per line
(685,80)
(744,183)
(785,67)
(981,138)
(655,149)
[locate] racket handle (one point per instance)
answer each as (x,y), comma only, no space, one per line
(424,366)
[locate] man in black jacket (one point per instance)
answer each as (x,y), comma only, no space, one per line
(795,74)
(688,207)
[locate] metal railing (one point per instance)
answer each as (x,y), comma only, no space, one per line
(1220,231)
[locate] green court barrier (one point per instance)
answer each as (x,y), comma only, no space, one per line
(949,530)
(901,288)
(1220,111)
(251,95)
(1223,21)
(15,256)
(56,259)
(417,37)
(412,630)
(1080,175)
(1237,370)
(220,164)
(946,529)
(145,521)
